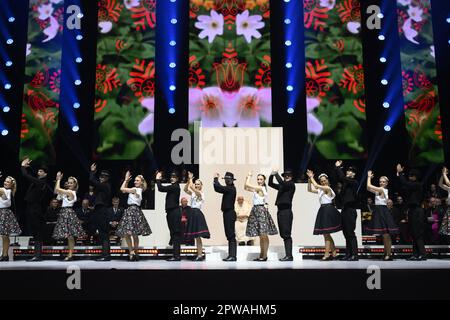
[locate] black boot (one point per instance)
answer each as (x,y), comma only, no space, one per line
(106,256)
(288,250)
(37,252)
(232,251)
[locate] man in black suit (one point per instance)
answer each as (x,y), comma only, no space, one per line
(229,215)
(84,213)
(173,212)
(349,202)
(50,218)
(102,193)
(35,202)
(286,190)
(115,214)
(413,193)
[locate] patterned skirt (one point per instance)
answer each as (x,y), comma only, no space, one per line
(67,225)
(8,223)
(133,223)
(445,225)
(382,222)
(260,222)
(328,220)
(196,225)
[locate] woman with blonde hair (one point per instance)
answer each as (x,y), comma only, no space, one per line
(328,218)
(133,223)
(68,226)
(8,221)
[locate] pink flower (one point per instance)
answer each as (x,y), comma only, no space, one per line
(207,105)
(253,104)
(28,50)
(55,1)
(52,30)
(147,125)
(211,26)
(105,26)
(328,4)
(315,127)
(353,27)
(131,3)
(45,11)
(415,13)
(404,2)
(410,33)
(248,26)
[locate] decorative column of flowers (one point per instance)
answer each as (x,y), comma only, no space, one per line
(125,78)
(334,78)
(42,80)
(419,80)
(230,63)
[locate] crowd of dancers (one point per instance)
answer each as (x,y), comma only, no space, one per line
(187,221)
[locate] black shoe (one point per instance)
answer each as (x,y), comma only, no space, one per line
(250,242)
(345,258)
(353,258)
(199,258)
(260,259)
(413,258)
(242,243)
(329,258)
(287,258)
(35,259)
(105,258)
(68,259)
(388,258)
(4,258)
(422,258)
(229,258)
(136,257)
(174,259)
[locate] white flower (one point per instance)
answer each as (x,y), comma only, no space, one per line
(105,26)
(45,11)
(131,3)
(410,33)
(328,4)
(432,52)
(404,2)
(147,124)
(28,51)
(55,1)
(211,26)
(353,27)
(247,25)
(52,30)
(415,13)
(314,126)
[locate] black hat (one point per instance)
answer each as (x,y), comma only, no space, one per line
(43,168)
(229,175)
(104,173)
(287,172)
(352,169)
(174,173)
(415,173)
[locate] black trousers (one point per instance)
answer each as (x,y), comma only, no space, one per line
(349,216)
(175,227)
(35,221)
(416,222)
(100,220)
(284,218)
(229,219)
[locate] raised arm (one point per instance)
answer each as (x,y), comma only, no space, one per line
(217,186)
(272,184)
(24,168)
(444,182)
(371,187)
(123,187)
(250,187)
(93,180)
(60,190)
(189,183)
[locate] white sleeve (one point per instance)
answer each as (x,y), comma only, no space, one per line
(138,193)
(7,194)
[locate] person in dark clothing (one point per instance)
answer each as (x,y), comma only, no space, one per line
(229,215)
(102,193)
(84,213)
(401,219)
(114,214)
(173,212)
(413,192)
(50,217)
(286,190)
(348,198)
(34,204)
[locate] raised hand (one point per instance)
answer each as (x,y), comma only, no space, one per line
(370,174)
(444,171)
(190,175)
(59,176)
(94,167)
(309,173)
(400,168)
(26,162)
(216,175)
(158,175)
(338,163)
(127,176)
(249,174)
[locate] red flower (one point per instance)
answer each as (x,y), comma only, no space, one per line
(349,10)
(425,102)
(420,78)
(438,128)
(314,14)
(401,18)
(55,81)
(318,79)
(360,104)
(407,83)
(196,76)
(340,45)
(264,76)
(109,10)
(100,105)
(230,7)
(106,79)
(23,127)
(142,79)
(230,74)
(40,79)
(39,101)
(353,79)
(144,15)
(120,45)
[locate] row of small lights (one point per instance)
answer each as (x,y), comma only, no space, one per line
(7,85)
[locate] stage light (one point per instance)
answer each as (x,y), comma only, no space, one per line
(79,60)
(10,41)
(172,88)
(383,59)
(386,104)
(80,15)
(77,82)
(287,1)
(387,128)
(288,43)
(173,21)
(172,64)
(76,105)
(288,65)
(287,21)
(6,109)
(173,0)
(289,88)
(171,110)
(11,19)
(75,128)
(79,37)
(7,86)
(172,43)
(290,110)
(5,132)
(8,63)
(380,15)
(384,82)
(448,20)
(381,37)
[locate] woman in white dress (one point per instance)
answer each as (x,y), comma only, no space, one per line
(328,218)
(8,221)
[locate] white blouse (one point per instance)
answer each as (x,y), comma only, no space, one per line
(197,202)
(379,201)
(5,203)
(258,199)
(324,198)
(135,198)
(66,203)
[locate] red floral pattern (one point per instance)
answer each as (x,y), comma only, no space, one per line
(196,76)
(360,104)
(353,79)
(106,79)
(264,76)
(109,10)
(438,128)
(314,15)
(24,127)
(39,101)
(407,83)
(40,79)
(142,79)
(55,81)
(318,78)
(230,74)
(145,15)
(100,105)
(349,10)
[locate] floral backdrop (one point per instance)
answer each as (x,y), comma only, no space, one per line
(423,121)
(230,63)
(42,80)
(125,78)
(335,78)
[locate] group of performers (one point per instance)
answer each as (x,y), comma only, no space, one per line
(188,221)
